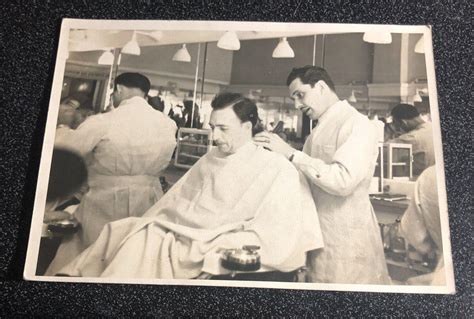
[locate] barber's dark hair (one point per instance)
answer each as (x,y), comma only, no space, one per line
(404,111)
(134,80)
(310,74)
(68,173)
(244,108)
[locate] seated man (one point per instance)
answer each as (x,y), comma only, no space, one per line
(237,194)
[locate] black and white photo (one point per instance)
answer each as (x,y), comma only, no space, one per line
(251,154)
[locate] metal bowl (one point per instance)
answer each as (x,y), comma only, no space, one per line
(245,259)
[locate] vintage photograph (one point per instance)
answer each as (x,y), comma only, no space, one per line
(276,155)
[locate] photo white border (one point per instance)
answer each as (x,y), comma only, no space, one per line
(326,28)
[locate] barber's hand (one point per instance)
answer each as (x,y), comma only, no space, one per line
(274,143)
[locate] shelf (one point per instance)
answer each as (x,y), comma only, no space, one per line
(189,155)
(197,145)
(399,164)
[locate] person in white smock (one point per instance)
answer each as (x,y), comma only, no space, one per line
(338,159)
(126,149)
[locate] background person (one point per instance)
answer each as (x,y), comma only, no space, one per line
(417,132)
(421,226)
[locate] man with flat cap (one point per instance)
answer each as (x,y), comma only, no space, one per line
(125,149)
(417,132)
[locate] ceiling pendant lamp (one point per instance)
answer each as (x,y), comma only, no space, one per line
(132,46)
(283,50)
(229,41)
(417,97)
(352,98)
(182,55)
(378,37)
(107,58)
(420,45)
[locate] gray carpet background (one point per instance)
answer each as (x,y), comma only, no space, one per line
(29,35)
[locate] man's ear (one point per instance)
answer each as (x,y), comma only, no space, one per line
(322,86)
(247,125)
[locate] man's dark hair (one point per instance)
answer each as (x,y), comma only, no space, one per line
(68,173)
(156,103)
(310,74)
(244,108)
(134,80)
(404,112)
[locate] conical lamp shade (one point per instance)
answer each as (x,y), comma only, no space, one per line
(229,41)
(132,46)
(378,37)
(283,50)
(107,58)
(417,97)
(352,98)
(182,55)
(420,45)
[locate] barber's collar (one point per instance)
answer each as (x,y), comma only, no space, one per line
(333,110)
(135,100)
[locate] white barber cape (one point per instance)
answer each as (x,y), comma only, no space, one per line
(338,160)
(253,197)
(125,151)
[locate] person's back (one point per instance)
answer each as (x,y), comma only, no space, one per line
(125,151)
(138,141)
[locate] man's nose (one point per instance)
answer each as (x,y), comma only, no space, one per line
(298,104)
(215,135)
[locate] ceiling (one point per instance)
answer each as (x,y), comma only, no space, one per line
(93,40)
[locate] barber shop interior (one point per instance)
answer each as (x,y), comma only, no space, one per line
(243,155)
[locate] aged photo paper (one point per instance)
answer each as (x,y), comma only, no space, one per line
(243,154)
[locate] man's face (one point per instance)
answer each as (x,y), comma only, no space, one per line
(228,132)
(308,99)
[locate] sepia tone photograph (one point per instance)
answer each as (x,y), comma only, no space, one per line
(276,155)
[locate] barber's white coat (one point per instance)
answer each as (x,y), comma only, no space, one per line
(125,151)
(338,160)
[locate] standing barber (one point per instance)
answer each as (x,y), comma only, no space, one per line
(126,150)
(338,159)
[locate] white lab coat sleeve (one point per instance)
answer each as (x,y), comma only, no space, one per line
(85,138)
(350,163)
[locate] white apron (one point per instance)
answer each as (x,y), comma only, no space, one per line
(125,151)
(338,160)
